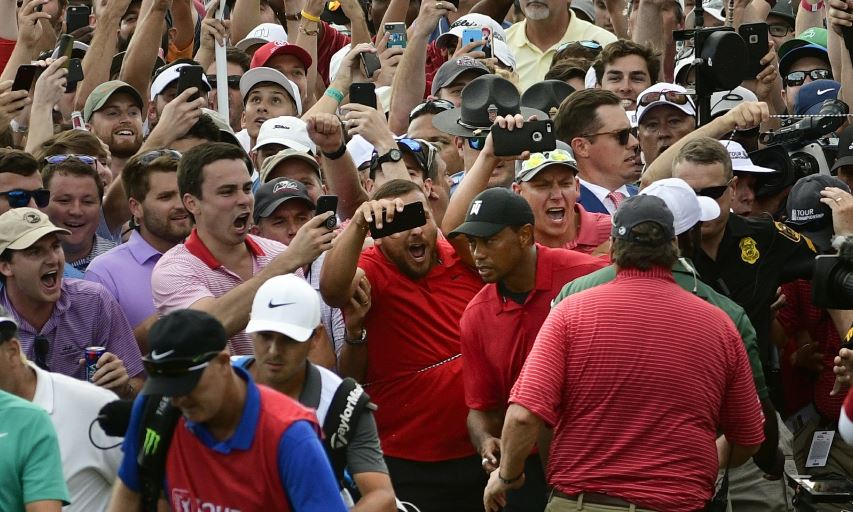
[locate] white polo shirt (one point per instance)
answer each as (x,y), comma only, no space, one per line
(72,405)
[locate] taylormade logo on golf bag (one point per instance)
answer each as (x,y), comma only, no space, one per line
(339,438)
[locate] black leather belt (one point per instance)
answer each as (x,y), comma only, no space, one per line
(593,498)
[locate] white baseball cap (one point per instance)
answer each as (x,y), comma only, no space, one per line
(502,52)
(723,101)
(472,20)
(256,76)
(687,208)
(360,150)
(169,75)
(658,91)
(262,34)
(288,305)
(740,159)
(288,131)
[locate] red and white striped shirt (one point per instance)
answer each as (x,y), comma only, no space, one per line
(189,272)
(845,423)
(636,375)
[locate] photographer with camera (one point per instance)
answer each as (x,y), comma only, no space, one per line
(808,212)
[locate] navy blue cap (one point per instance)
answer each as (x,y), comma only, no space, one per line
(812,95)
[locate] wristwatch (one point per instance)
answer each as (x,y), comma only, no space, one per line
(361,340)
(393,155)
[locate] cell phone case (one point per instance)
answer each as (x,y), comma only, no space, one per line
(534,136)
(411,217)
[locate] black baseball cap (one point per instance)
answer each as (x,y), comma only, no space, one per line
(276,192)
(637,210)
(182,345)
(491,211)
(450,71)
(845,150)
(806,214)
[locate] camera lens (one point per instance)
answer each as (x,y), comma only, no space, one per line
(331,222)
(536,136)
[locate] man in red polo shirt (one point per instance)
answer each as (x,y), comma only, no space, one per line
(220,266)
(548,182)
(635,406)
(408,356)
(500,323)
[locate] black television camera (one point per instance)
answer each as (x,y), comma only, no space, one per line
(832,281)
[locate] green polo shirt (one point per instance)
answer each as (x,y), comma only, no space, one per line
(688,279)
(30,464)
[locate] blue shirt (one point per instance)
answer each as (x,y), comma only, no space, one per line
(304,469)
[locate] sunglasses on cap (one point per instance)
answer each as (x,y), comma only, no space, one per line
(58,159)
(19,198)
(622,136)
(678,98)
(537,159)
(150,156)
(233,81)
(424,151)
(795,78)
(439,104)
(588,44)
(714,192)
(178,365)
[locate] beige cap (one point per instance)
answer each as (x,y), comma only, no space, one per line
(286,154)
(22,227)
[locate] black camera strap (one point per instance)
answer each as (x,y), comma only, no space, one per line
(157,426)
(340,423)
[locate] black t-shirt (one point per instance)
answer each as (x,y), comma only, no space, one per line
(755,256)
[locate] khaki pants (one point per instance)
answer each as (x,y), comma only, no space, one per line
(558,504)
(840,456)
(749,491)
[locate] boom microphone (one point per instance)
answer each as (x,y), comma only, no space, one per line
(114,417)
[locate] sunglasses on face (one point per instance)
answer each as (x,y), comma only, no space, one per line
(233,81)
(779,30)
(476,143)
(622,136)
(58,159)
(19,198)
(678,98)
(714,192)
(41,345)
(795,78)
(439,104)
(178,365)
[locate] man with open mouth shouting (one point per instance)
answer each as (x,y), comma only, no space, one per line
(220,266)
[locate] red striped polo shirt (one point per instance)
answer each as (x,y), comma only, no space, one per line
(189,272)
(845,424)
(636,375)
(799,314)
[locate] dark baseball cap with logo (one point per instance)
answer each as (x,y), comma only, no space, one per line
(845,150)
(809,216)
(811,96)
(452,69)
(491,211)
(182,345)
(640,209)
(275,193)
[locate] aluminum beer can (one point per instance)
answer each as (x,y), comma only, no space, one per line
(92,355)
